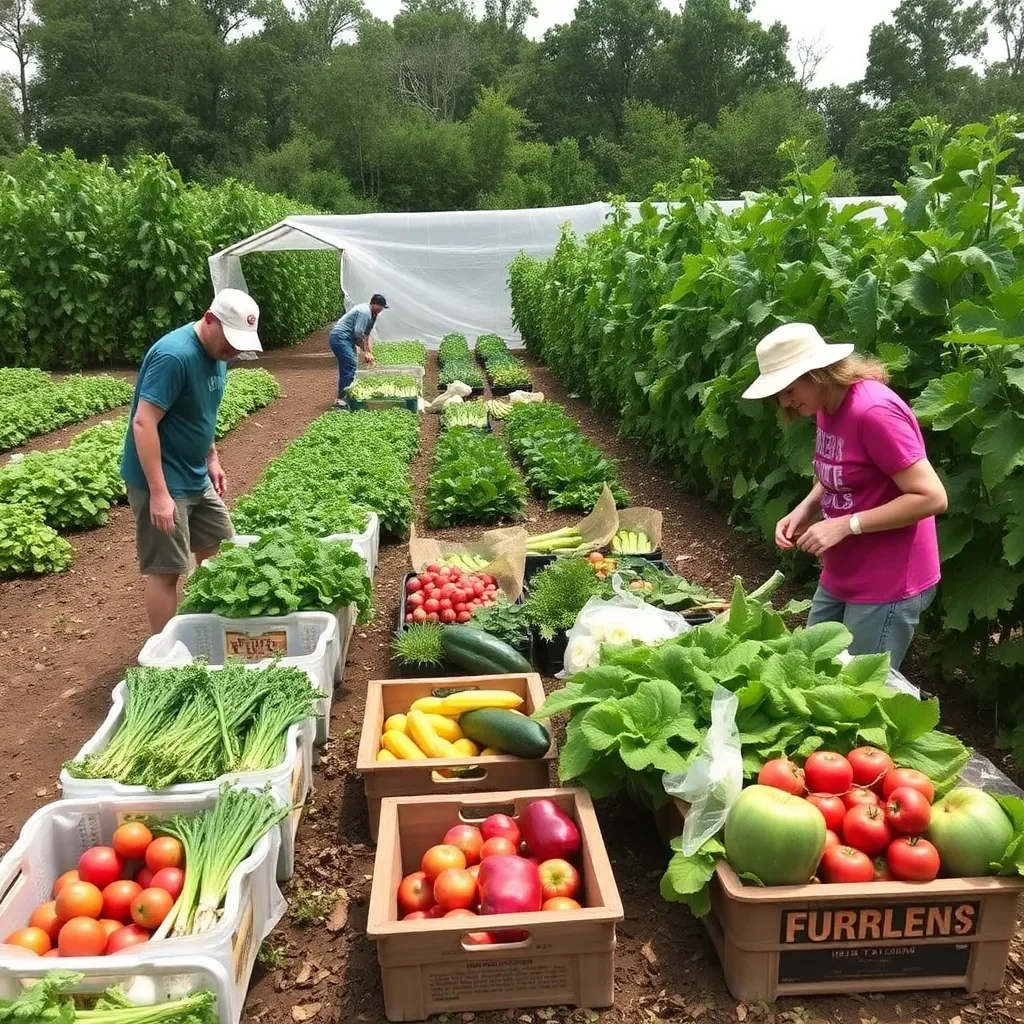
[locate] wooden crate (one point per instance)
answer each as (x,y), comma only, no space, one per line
(386,697)
(875,937)
(567,958)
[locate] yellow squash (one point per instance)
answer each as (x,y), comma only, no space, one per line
(385,755)
(396,723)
(402,747)
(447,728)
(466,748)
(473,700)
(422,734)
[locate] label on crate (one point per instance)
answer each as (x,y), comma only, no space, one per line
(547,978)
(807,965)
(888,922)
(258,647)
(241,943)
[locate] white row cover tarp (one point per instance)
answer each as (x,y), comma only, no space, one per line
(440,272)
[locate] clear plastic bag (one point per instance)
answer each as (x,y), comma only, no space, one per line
(715,778)
(617,620)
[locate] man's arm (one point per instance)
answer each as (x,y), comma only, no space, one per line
(217,475)
(147,444)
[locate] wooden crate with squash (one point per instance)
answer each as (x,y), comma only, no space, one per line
(452,735)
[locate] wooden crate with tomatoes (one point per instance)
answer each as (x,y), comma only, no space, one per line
(458,911)
(858,902)
(436,753)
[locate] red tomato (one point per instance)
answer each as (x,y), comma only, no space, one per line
(474,870)
(454,889)
(413,585)
(144,877)
(445,605)
(558,878)
(907,811)
(100,865)
(468,839)
(435,912)
(501,825)
(498,846)
(912,859)
(408,617)
(415,894)
(171,879)
(882,872)
(865,829)
(858,795)
(131,840)
(165,852)
(827,772)
(117,900)
(831,839)
(111,926)
(415,601)
(844,864)
(45,917)
(151,906)
(782,774)
(832,808)
(433,567)
(439,858)
(870,765)
(419,615)
(68,876)
(52,952)
(463,616)
(911,777)
(456,572)
(431,605)
(82,936)
(448,616)
(446,591)
(459,912)
(459,606)
(34,939)
(433,617)
(416,915)
(561,903)
(79,899)
(123,938)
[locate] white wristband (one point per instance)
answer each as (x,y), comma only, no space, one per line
(855,526)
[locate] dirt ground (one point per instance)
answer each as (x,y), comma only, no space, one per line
(65,641)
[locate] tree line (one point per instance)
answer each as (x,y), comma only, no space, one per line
(452,106)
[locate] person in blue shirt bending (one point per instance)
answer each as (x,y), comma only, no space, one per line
(352,331)
(175,482)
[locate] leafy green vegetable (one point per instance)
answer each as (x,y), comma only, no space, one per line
(663,589)
(686,878)
(419,645)
(645,710)
(561,465)
(558,592)
(462,370)
(506,621)
(52,1000)
(282,572)
(465,414)
(454,348)
(28,545)
(383,385)
(512,374)
(16,380)
(491,348)
(41,409)
(400,353)
(271,508)
(194,724)
(245,391)
(472,480)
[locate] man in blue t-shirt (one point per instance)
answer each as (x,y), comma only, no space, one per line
(170,466)
(352,331)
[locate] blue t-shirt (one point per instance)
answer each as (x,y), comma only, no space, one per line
(356,324)
(179,377)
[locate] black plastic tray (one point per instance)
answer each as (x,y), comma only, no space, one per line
(651,556)
(500,392)
(534,564)
(550,653)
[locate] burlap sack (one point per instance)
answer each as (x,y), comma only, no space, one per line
(643,520)
(504,549)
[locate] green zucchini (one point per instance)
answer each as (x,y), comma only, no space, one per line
(506,731)
(480,653)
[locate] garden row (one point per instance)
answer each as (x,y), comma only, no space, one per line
(96,262)
(180,815)
(654,320)
(73,488)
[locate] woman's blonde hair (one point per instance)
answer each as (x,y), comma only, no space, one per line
(842,375)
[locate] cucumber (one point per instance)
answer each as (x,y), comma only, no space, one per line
(506,731)
(480,653)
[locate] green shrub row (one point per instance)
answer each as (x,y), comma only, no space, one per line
(96,263)
(245,391)
(28,546)
(655,320)
(16,380)
(43,409)
(343,465)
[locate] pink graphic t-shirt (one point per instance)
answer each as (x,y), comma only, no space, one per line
(859,448)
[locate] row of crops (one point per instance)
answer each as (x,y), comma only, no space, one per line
(655,320)
(96,262)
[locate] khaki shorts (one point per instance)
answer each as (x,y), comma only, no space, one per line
(201,522)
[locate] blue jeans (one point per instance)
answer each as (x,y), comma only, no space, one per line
(875,627)
(345,352)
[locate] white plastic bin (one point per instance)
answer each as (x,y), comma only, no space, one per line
(309,641)
(290,781)
(51,842)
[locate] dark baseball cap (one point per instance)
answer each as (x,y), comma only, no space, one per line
(379,300)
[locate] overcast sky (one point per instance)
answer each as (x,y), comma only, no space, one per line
(844,27)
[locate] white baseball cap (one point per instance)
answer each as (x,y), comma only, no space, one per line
(789,352)
(239,316)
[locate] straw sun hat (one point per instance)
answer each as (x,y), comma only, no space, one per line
(789,352)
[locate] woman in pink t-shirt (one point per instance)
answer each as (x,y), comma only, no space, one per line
(870,516)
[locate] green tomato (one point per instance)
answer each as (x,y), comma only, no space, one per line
(970,831)
(774,835)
